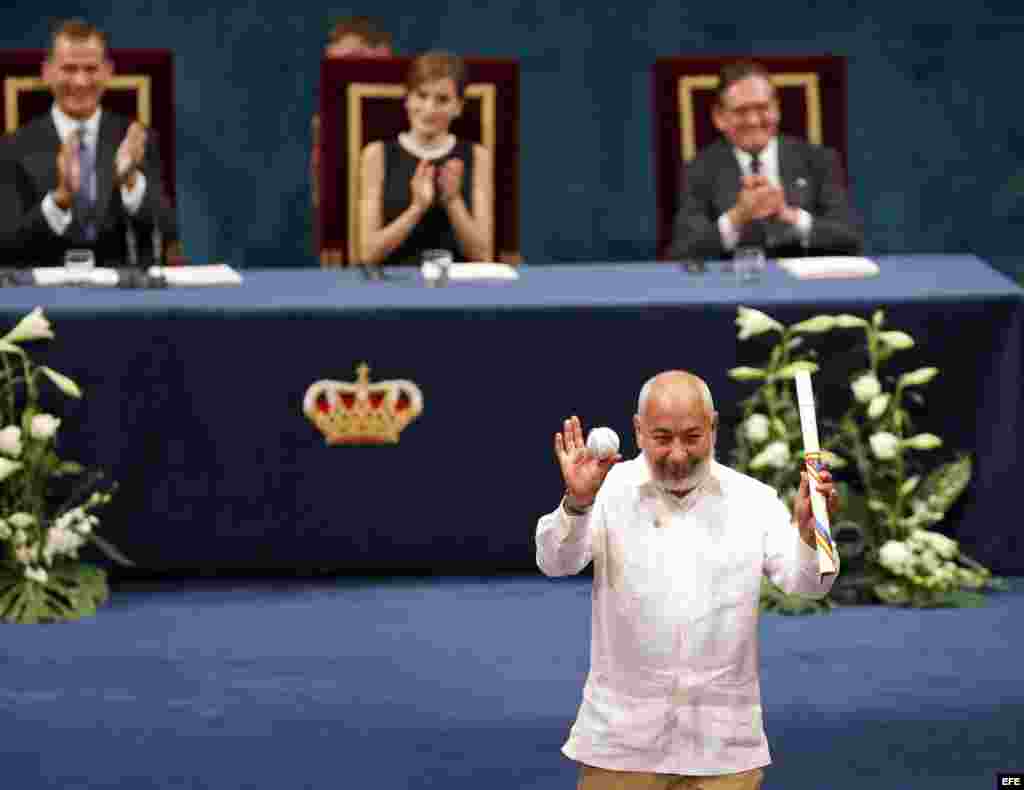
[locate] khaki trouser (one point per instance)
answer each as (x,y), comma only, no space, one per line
(592,778)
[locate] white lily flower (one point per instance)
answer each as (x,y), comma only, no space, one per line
(757,428)
(753,322)
(33,326)
(8,468)
(61,541)
(895,555)
(21,520)
(63,383)
(896,340)
(37,575)
(43,427)
(884,445)
(866,388)
(878,405)
(10,441)
(923,441)
(775,455)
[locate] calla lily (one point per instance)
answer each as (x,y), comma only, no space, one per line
(818,324)
(753,322)
(793,368)
(757,428)
(918,377)
(33,326)
(896,340)
(8,468)
(775,455)
(847,321)
(64,384)
(43,426)
(884,445)
(866,388)
(10,441)
(878,405)
(923,441)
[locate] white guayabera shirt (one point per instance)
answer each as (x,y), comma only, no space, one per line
(673,684)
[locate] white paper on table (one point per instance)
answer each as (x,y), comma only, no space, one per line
(59,275)
(829,267)
(828,555)
(482,271)
(212,274)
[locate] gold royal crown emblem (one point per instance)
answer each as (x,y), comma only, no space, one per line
(362,412)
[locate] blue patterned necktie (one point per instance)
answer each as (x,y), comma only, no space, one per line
(85,197)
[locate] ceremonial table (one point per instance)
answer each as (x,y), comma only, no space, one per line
(193,399)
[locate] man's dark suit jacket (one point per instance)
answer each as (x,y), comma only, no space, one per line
(28,170)
(812,179)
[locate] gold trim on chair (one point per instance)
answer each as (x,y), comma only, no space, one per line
(141,83)
(487,93)
(691,84)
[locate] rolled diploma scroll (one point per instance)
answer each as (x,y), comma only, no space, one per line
(828,556)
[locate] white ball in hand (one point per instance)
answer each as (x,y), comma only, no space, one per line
(603,442)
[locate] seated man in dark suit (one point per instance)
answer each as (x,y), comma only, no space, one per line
(758,188)
(80,177)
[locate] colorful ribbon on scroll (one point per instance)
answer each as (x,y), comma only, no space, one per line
(828,555)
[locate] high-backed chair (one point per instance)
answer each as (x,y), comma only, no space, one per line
(142,87)
(812,97)
(363,100)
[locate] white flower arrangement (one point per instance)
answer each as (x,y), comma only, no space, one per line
(43,523)
(892,499)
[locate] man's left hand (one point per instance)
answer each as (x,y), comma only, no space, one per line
(802,513)
(130,154)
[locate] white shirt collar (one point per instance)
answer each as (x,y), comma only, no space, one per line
(66,125)
(769,156)
(711,485)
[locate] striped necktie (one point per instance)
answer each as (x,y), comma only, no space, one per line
(85,197)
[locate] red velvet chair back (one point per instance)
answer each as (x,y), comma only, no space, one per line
(364,100)
(812,96)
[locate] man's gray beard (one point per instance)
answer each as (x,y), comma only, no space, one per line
(688,483)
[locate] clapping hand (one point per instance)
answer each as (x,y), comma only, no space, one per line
(450,179)
(130,154)
(69,170)
(582,471)
(422,185)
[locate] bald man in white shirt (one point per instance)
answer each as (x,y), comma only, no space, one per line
(679,544)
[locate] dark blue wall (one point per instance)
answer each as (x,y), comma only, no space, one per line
(936,138)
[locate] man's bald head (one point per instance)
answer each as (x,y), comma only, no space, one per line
(678,386)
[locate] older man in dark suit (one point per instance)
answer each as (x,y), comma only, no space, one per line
(756,187)
(80,177)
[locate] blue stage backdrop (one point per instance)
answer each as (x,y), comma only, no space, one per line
(936,150)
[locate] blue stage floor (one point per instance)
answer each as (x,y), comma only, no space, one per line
(462,683)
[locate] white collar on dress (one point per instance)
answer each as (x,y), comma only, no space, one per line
(443,148)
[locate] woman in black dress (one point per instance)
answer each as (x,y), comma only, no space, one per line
(427,189)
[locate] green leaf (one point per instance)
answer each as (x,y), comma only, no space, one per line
(817,325)
(847,321)
(746,374)
(944,485)
(893,593)
(878,319)
(111,551)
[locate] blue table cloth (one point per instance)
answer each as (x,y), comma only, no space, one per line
(193,399)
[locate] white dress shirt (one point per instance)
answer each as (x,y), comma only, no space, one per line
(769,159)
(57,218)
(674,680)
